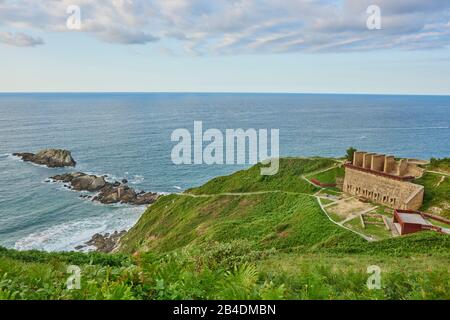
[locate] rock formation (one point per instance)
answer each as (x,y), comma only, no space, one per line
(104,242)
(51,158)
(108,192)
(82,182)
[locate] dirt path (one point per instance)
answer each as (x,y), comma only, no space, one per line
(304,177)
(351,217)
(238,194)
(273,191)
(438,172)
(342,226)
(316,196)
(440,181)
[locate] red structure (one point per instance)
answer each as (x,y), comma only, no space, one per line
(408,221)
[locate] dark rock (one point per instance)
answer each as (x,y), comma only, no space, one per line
(106,242)
(108,193)
(26,156)
(82,182)
(124,181)
(52,158)
(145,198)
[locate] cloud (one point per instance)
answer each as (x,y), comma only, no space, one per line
(243,26)
(19,39)
(126,36)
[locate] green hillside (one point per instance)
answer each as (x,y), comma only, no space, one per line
(437,193)
(269,220)
(243,236)
(288,178)
(441,165)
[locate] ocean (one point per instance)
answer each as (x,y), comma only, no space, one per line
(127,135)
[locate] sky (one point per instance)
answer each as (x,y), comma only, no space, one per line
(304,46)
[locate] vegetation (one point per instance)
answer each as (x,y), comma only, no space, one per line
(276,244)
(235,270)
(375,231)
(349,153)
(439,164)
(273,220)
(329,176)
(437,190)
(288,178)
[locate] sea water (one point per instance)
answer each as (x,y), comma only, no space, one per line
(127,135)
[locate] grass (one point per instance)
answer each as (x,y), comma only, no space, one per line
(288,178)
(378,232)
(437,193)
(276,220)
(329,176)
(326,201)
(40,275)
(410,269)
(331,191)
(277,245)
(336,277)
(336,217)
(439,165)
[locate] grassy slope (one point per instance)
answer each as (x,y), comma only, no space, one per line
(437,193)
(288,178)
(276,220)
(442,165)
(329,176)
(274,245)
(41,275)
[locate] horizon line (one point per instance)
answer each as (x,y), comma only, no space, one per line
(227,92)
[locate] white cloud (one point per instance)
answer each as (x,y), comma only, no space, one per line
(243,26)
(19,39)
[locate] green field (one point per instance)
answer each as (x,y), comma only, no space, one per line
(278,244)
(437,193)
(329,176)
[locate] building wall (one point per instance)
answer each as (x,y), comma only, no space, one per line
(389,164)
(415,202)
(402,167)
(410,228)
(386,164)
(384,190)
(378,162)
(367,160)
(358,157)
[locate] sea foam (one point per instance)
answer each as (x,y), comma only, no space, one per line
(66,236)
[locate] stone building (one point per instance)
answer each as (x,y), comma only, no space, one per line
(382,179)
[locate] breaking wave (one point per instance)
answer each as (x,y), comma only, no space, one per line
(66,236)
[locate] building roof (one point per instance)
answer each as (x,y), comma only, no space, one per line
(414,218)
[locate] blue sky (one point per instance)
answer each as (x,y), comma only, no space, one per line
(226,46)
